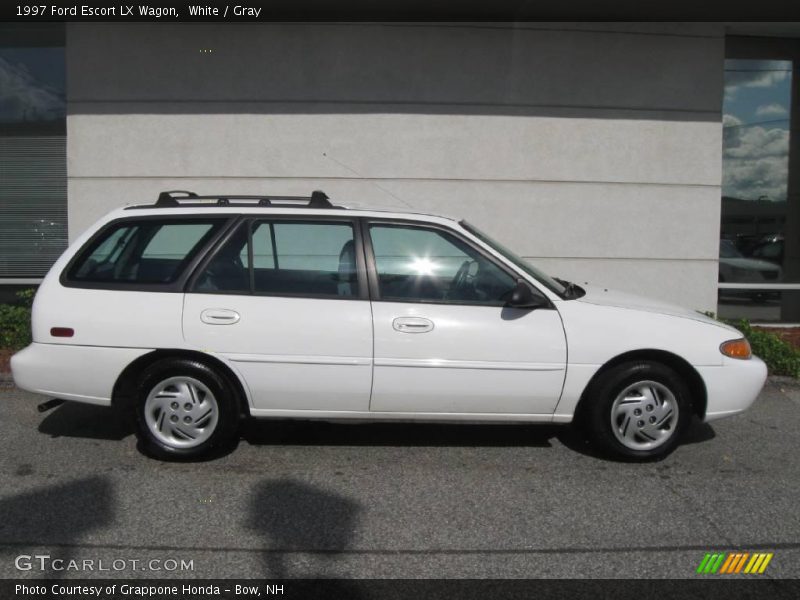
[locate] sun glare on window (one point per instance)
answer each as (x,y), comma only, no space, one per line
(423,266)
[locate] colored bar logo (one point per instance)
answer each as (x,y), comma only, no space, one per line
(731,563)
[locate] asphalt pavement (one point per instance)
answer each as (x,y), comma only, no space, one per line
(311,499)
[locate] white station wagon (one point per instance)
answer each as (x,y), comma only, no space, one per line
(198,311)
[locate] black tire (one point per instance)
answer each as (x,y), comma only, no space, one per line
(597,407)
(215,433)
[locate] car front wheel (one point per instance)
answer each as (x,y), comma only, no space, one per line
(638,410)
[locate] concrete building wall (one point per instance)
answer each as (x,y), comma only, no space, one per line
(592,149)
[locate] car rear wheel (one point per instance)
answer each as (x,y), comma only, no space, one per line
(637,410)
(185,410)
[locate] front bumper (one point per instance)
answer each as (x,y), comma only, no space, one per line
(732,387)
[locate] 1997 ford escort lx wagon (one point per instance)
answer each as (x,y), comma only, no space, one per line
(197,311)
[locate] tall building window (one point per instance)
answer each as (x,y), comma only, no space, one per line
(33,169)
(760,230)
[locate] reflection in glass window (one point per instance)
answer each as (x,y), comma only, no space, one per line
(175,242)
(755,177)
(142,252)
(33,165)
(426,265)
(292,259)
(263,242)
(312,259)
(32,85)
(312,246)
(756,131)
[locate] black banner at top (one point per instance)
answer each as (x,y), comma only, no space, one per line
(396,10)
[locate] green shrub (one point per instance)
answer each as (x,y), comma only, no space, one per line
(15,321)
(26,297)
(781,357)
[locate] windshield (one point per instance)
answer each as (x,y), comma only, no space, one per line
(543,278)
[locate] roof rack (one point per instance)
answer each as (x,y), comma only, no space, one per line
(168,199)
(183,198)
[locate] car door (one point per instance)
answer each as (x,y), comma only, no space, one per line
(444,340)
(285,301)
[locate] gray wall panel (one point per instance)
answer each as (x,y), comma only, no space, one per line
(594,147)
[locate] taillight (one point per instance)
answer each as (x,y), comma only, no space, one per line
(736,349)
(62,331)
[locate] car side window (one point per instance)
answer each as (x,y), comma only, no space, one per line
(292,258)
(146,251)
(228,270)
(429,265)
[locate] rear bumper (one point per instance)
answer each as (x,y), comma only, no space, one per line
(79,373)
(733,387)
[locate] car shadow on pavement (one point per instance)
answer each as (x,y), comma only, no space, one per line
(575,440)
(73,419)
(322,433)
(302,525)
(102,423)
(698,433)
(55,518)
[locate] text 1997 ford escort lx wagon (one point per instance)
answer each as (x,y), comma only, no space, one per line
(200,310)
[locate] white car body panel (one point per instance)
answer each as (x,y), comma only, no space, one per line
(302,357)
(597,333)
(80,373)
(294,353)
(109,318)
(605,324)
(732,386)
(476,359)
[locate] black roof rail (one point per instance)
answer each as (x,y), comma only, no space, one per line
(183,198)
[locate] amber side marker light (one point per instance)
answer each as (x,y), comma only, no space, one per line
(736,349)
(62,331)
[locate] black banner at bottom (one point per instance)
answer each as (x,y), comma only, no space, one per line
(390,589)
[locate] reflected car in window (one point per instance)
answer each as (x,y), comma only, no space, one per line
(769,248)
(734,267)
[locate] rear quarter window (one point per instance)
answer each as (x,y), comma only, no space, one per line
(145,251)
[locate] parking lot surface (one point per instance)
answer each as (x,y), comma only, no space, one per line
(314,499)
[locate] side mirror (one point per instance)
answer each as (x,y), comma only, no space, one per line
(524,296)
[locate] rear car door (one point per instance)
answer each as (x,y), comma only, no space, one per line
(444,340)
(285,301)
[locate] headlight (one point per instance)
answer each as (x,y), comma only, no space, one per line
(736,349)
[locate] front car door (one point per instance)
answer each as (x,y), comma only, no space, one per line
(285,301)
(444,340)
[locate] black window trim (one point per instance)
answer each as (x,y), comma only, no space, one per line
(248,220)
(372,271)
(176,286)
(367,276)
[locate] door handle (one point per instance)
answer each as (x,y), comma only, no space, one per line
(219,316)
(412,325)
